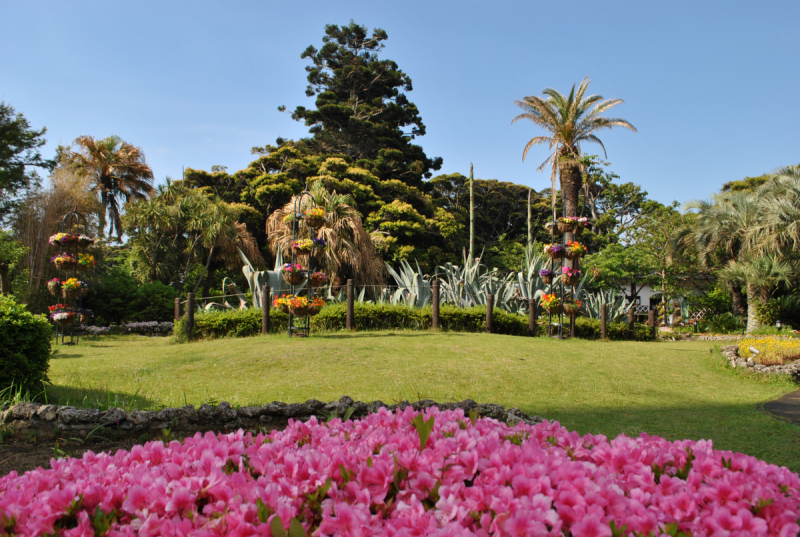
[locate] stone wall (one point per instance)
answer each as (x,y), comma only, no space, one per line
(731,352)
(51,420)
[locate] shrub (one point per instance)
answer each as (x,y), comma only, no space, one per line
(154,302)
(407,473)
(25,339)
(244,323)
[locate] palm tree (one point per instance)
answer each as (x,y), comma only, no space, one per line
(570,120)
(350,252)
(721,231)
(762,274)
(118,174)
(779,204)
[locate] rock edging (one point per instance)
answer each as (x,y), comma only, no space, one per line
(731,353)
(52,420)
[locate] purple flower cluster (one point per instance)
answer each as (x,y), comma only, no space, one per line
(545,272)
(319,242)
(383,475)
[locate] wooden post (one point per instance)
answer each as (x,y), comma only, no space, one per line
(604,321)
(489,308)
(189,314)
(651,320)
(351,317)
(532,318)
(630,324)
(572,325)
(177,309)
(435,305)
(265,292)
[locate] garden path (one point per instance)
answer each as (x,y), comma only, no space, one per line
(787,407)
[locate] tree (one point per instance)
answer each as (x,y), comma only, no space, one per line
(350,251)
(653,238)
(19,149)
(570,120)
(11,253)
(118,172)
(361,108)
(182,225)
(720,234)
(762,274)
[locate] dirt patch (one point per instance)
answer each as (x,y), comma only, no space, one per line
(22,454)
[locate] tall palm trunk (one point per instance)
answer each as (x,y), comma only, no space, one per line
(752,308)
(571,181)
(738,303)
(471,215)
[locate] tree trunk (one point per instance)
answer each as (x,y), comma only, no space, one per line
(752,310)
(5,280)
(209,281)
(530,230)
(664,293)
(471,215)
(571,180)
(738,303)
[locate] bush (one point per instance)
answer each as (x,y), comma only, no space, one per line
(328,478)
(154,302)
(26,340)
(244,323)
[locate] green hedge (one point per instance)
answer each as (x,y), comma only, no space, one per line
(244,323)
(26,340)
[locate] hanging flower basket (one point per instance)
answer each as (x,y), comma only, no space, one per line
(554,251)
(64,239)
(298,306)
(547,276)
(85,262)
(575,250)
(292,274)
(85,241)
(64,318)
(64,261)
(566,225)
(572,308)
(315,306)
(319,246)
(70,293)
(282,303)
(290,219)
(54,286)
(74,288)
(85,315)
(302,246)
(551,303)
(317,279)
(315,218)
(570,276)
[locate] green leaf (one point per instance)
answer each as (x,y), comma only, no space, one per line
(296,529)
(276,528)
(473,415)
(264,511)
(423,428)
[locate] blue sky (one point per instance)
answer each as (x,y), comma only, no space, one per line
(711,86)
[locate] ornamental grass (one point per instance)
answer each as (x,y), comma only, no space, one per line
(772,350)
(406,473)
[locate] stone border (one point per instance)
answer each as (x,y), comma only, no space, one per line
(52,421)
(731,353)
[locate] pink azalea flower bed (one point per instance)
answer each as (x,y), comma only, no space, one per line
(369,477)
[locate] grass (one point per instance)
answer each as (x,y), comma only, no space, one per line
(671,389)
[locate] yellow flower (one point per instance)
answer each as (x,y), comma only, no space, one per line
(772,350)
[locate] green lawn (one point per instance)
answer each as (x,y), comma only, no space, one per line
(672,389)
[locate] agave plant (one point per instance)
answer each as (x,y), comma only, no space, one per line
(470,284)
(413,289)
(612,299)
(257,279)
